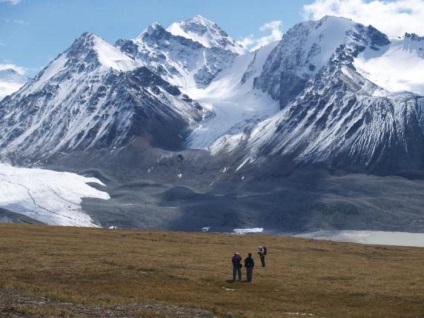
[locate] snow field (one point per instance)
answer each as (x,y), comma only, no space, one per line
(397,68)
(47,196)
(369,237)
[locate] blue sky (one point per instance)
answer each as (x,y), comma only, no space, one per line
(33,32)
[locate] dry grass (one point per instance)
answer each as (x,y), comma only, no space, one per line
(107,267)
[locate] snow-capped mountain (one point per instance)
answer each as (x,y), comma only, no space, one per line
(308,47)
(181,60)
(194,131)
(232,100)
(93,96)
(205,32)
(395,67)
(100,95)
(332,114)
(316,96)
(10,82)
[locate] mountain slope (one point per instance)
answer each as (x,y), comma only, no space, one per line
(331,114)
(205,32)
(396,67)
(179,60)
(232,100)
(93,96)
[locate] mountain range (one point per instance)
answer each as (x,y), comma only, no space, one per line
(321,130)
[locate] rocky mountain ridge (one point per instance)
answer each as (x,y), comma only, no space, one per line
(195,131)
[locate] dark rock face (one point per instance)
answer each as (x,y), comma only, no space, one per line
(377,38)
(291,86)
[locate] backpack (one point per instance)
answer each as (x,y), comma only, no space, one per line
(265,250)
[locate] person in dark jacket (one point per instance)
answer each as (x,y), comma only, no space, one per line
(249,263)
(261,253)
(236,260)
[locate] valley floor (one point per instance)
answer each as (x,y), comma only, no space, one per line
(48,271)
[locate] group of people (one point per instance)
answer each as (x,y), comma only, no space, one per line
(249,263)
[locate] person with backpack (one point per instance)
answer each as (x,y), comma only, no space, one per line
(236,260)
(262,252)
(249,263)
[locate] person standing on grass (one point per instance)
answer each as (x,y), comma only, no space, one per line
(249,263)
(262,253)
(236,260)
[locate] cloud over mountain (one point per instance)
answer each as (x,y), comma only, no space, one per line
(392,17)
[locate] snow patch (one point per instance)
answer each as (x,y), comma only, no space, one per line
(398,67)
(369,237)
(247,231)
(48,196)
(243,163)
(325,39)
(112,57)
(233,102)
(205,32)
(7,88)
(10,81)
(51,70)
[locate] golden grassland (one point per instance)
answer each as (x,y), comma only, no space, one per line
(107,267)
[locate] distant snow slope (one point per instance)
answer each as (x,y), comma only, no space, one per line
(369,237)
(397,67)
(232,100)
(112,57)
(48,196)
(205,32)
(10,82)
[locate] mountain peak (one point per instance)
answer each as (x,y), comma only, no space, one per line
(88,52)
(8,72)
(336,19)
(413,37)
(10,81)
(87,38)
(205,32)
(154,30)
(154,27)
(198,19)
(84,42)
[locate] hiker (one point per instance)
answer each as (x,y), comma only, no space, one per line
(236,260)
(249,263)
(262,253)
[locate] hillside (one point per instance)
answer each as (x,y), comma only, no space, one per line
(66,272)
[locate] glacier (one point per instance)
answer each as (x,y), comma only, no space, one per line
(369,237)
(48,196)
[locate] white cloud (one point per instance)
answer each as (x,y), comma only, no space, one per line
(11,1)
(19,69)
(391,17)
(17,21)
(252,43)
